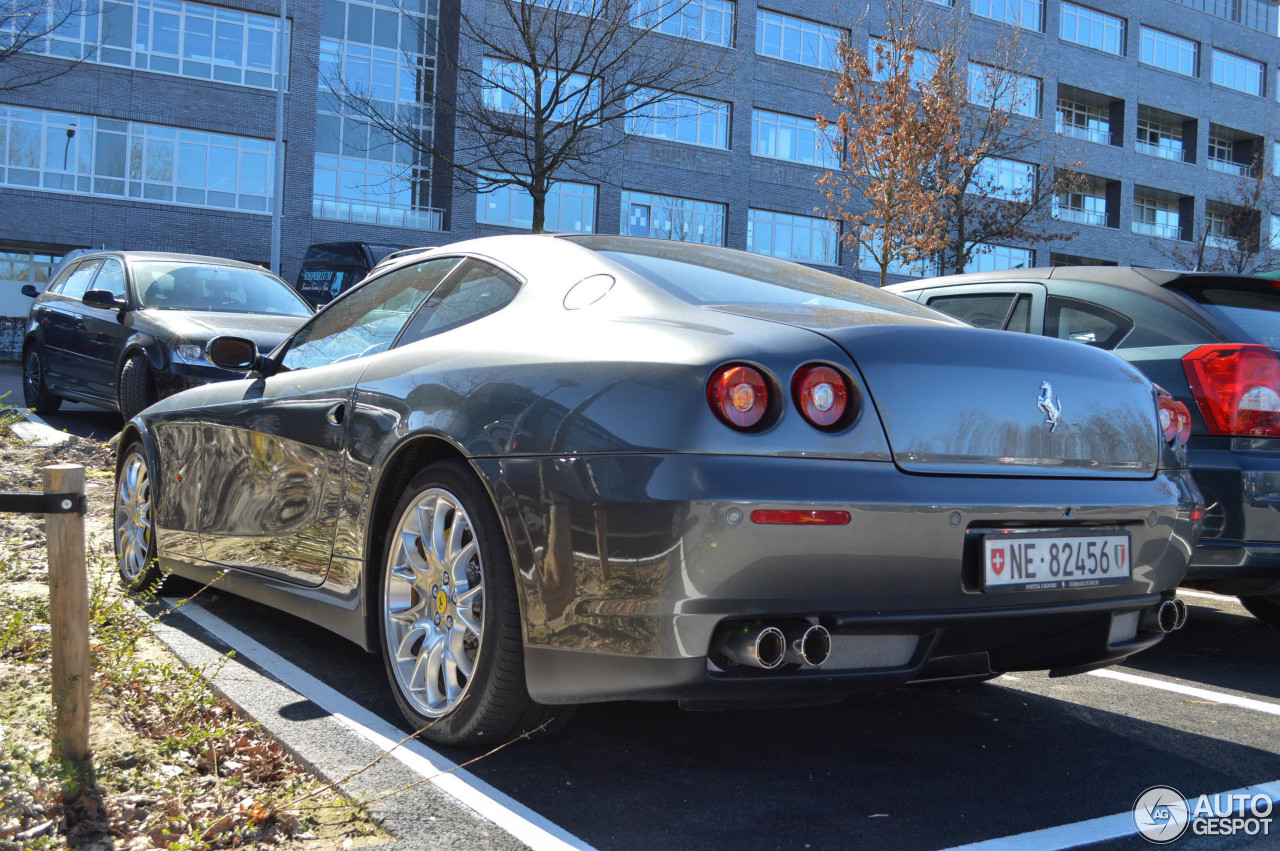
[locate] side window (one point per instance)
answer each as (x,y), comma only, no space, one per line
(78,281)
(110,278)
(477,290)
(1163,326)
(1069,319)
(985,311)
(366,321)
(1020,316)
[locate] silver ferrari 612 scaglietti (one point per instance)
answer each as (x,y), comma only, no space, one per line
(534,471)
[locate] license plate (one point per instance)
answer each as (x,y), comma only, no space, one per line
(1034,561)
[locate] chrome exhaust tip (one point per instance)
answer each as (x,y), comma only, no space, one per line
(755,645)
(808,644)
(1167,616)
(1182,613)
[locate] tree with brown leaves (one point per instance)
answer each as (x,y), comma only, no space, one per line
(896,119)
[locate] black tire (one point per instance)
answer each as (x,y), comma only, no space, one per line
(133,529)
(135,386)
(1264,607)
(415,602)
(35,390)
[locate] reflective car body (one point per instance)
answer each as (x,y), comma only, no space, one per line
(1158,321)
(578,399)
(154,308)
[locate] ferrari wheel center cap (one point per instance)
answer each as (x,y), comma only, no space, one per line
(442,601)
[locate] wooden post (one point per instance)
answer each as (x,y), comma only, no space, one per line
(68,615)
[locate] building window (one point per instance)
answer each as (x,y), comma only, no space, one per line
(570,207)
(1275,233)
(1162,50)
(1236,72)
(996,258)
(1009,180)
(1024,13)
(1218,231)
(1056,259)
(1086,206)
(508,87)
(361,173)
(701,20)
(791,138)
(666,217)
(925,268)
(84,155)
(797,40)
(26,267)
(923,66)
(803,239)
(1255,14)
(1156,214)
(1004,90)
(1160,139)
(1091,28)
(679,118)
(1084,121)
(165,36)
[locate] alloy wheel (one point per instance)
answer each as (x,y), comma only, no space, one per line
(133,518)
(433,602)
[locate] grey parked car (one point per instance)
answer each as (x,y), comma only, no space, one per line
(534,471)
(120,329)
(1210,340)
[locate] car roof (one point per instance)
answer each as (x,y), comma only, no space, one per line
(131,256)
(1128,277)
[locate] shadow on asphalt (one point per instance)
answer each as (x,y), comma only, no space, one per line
(914,768)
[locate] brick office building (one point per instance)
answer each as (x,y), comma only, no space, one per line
(164,138)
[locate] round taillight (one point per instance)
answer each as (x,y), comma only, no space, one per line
(821,395)
(739,395)
(1175,420)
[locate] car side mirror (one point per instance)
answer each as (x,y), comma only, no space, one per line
(30,291)
(235,353)
(102,298)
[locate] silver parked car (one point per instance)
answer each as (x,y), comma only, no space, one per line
(534,471)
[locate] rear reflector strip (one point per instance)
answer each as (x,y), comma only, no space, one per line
(772,517)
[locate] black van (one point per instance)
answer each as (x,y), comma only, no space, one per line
(331,268)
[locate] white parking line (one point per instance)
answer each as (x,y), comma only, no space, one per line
(1208,595)
(1191,691)
(1088,832)
(536,831)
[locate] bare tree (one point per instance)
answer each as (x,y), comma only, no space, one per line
(896,119)
(544,90)
(1008,170)
(29,31)
(1227,237)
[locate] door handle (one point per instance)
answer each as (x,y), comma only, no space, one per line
(336,414)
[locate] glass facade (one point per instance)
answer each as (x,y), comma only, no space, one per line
(1087,206)
(710,21)
(1009,180)
(1091,28)
(804,239)
(169,37)
(1156,214)
(791,138)
(667,217)
(918,269)
(1255,14)
(26,267)
(678,118)
(88,155)
(1237,72)
(1084,121)
(924,63)
(570,207)
(387,53)
(996,258)
(990,86)
(1222,156)
(509,88)
(1162,50)
(797,40)
(1027,14)
(1160,139)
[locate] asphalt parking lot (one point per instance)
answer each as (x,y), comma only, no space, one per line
(926,768)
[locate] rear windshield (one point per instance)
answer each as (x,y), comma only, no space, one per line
(1243,309)
(186,285)
(706,275)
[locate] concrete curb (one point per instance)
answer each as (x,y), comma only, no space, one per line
(37,431)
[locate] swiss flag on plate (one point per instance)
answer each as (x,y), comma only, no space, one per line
(997,561)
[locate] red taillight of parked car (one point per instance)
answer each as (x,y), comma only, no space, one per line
(739,395)
(1237,387)
(821,394)
(1175,421)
